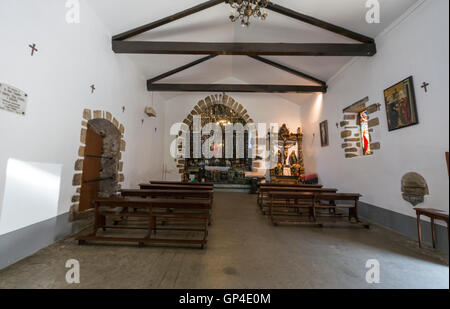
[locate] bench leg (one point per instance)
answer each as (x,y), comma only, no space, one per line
(433,233)
(419,230)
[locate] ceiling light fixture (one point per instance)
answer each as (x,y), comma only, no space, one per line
(244,10)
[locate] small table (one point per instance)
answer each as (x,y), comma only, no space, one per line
(433,214)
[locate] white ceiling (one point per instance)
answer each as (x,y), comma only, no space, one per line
(213,25)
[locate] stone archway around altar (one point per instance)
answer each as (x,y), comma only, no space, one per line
(211,108)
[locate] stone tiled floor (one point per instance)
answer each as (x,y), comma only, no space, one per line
(244,251)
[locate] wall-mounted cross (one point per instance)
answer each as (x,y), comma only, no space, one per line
(425,86)
(92,88)
(33,48)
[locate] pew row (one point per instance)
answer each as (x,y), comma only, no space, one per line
(314,208)
(167,182)
(263,198)
(149,211)
(149,186)
(175,194)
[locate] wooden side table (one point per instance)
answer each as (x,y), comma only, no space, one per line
(433,214)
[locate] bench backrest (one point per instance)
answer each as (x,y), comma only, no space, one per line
(261,185)
(280,195)
(166,182)
(338,197)
(140,203)
(297,189)
(147,186)
(203,194)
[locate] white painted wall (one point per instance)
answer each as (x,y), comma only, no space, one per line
(57,79)
(417,44)
(262,108)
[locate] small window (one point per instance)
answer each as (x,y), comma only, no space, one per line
(365,135)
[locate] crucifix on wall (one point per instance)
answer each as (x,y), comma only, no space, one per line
(33,48)
(425,86)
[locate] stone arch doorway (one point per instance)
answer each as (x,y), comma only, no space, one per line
(215,108)
(101,158)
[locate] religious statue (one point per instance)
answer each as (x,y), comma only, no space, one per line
(285,155)
(293,159)
(293,162)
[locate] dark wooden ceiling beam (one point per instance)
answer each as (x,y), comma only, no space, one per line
(319,23)
(180,69)
(289,70)
(166,20)
(235,88)
(248,49)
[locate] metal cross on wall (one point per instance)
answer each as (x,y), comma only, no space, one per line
(425,86)
(92,88)
(33,48)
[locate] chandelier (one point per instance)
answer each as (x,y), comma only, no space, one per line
(244,10)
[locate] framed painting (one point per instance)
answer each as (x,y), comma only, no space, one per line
(324,133)
(401,107)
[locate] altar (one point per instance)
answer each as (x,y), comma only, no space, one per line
(290,167)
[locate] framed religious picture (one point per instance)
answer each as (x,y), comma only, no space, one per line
(324,133)
(401,107)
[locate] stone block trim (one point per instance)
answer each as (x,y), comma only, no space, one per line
(350,125)
(373,108)
(346,133)
(374,122)
(79,165)
(88,115)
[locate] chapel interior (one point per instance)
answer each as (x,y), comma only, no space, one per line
(212,144)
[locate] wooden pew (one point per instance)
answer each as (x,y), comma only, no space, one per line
(268,184)
(166,182)
(151,210)
(291,207)
(322,207)
(199,194)
(175,194)
(329,202)
(148,186)
(263,200)
(274,185)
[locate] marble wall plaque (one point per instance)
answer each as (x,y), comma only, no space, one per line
(12,99)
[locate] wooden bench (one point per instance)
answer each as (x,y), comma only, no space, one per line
(263,200)
(149,186)
(166,182)
(175,194)
(199,194)
(291,207)
(433,214)
(330,203)
(275,185)
(151,210)
(321,207)
(268,184)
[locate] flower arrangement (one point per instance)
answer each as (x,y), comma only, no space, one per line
(296,170)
